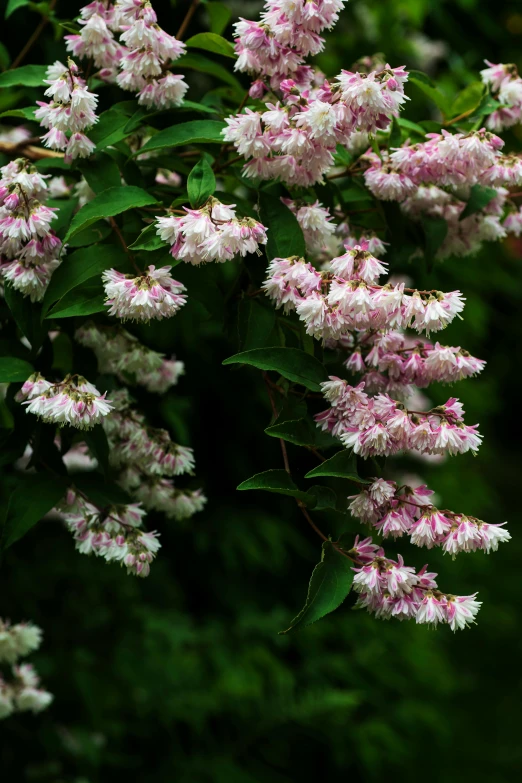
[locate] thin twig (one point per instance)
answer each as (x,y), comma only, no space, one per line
(186,21)
(274,411)
(123,243)
(33,39)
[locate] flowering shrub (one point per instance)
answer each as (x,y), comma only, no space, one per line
(294,187)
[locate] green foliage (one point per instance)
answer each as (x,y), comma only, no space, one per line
(25,76)
(211,42)
(112,201)
(285,237)
(480,196)
(31,499)
(82,265)
(291,363)
(330,583)
(342,465)
(13,369)
(278,481)
(195,132)
(201,183)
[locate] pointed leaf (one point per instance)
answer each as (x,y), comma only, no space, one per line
(13,369)
(277,481)
(301,432)
(111,202)
(291,363)
(86,299)
(219,15)
(33,498)
(148,240)
(330,583)
(201,183)
(285,236)
(26,76)
(12,5)
(212,42)
(341,465)
(194,132)
(479,198)
(80,266)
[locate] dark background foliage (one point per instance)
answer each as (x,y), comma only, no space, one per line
(182,676)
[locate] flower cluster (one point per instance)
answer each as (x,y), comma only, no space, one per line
(389,589)
(114,533)
(72,111)
(140,60)
(120,353)
(287,33)
(148,459)
(145,61)
(74,401)
(152,295)
(433,179)
(379,425)
(506,87)
(211,233)
(396,511)
(295,139)
(315,221)
(390,362)
(30,251)
(334,302)
(21,692)
(99,21)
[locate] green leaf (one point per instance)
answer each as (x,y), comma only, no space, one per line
(479,198)
(395,134)
(341,465)
(201,183)
(26,113)
(435,232)
(26,76)
(33,498)
(427,86)
(255,324)
(12,5)
(110,128)
(291,363)
(301,432)
(148,240)
(86,299)
(285,236)
(219,16)
(468,100)
(96,440)
(194,132)
(80,266)
(13,369)
(92,234)
(99,492)
(411,126)
(330,583)
(197,62)
(111,202)
(277,481)
(211,42)
(322,498)
(27,315)
(101,172)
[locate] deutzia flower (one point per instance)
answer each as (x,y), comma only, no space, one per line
(153,295)
(74,402)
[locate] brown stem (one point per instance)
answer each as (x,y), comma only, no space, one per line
(28,151)
(274,411)
(186,21)
(33,39)
(123,243)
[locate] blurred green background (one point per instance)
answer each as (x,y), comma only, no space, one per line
(182,676)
